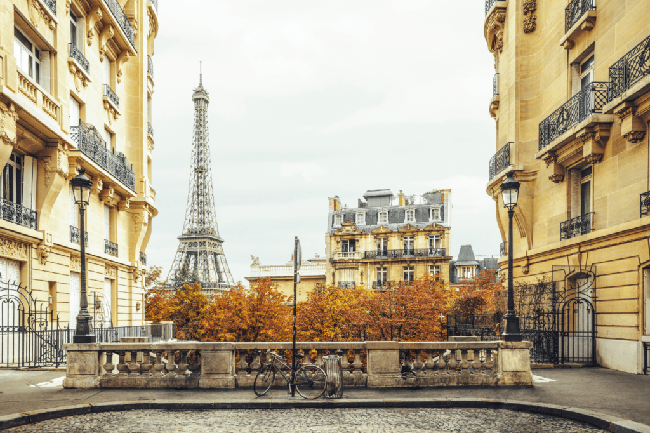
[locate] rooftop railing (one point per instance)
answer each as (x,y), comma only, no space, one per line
(122,20)
(78,57)
(575,10)
(500,160)
(577,226)
(629,69)
(405,253)
(91,143)
(111,95)
(589,100)
(18,214)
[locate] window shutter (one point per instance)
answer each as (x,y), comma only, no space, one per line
(29,182)
(106,67)
(74,112)
(107,223)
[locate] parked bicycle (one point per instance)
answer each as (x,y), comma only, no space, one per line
(309,379)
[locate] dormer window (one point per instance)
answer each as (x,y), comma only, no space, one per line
(410,216)
(338,219)
(361,218)
(434,214)
(383,217)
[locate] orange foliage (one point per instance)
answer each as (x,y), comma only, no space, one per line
(482,294)
(155,298)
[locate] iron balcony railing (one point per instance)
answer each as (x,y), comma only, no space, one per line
(576,226)
(51,5)
(111,95)
(110,248)
(149,129)
(503,249)
(18,214)
(380,285)
(143,258)
(346,284)
(91,143)
(489,4)
(150,68)
(500,160)
(629,69)
(155,4)
(575,10)
(495,85)
(122,20)
(589,100)
(74,235)
(78,57)
(645,203)
(404,253)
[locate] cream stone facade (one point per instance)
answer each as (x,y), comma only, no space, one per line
(378,241)
(312,275)
(572,105)
(76,81)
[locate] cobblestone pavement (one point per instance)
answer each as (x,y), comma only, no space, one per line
(311,420)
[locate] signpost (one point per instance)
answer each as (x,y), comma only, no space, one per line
(297,259)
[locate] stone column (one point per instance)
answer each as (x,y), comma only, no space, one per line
(82,367)
(217,365)
(514,364)
(383,364)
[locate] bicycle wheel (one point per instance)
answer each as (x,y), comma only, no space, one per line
(310,381)
(264,380)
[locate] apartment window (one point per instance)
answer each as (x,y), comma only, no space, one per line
(382,275)
(408,273)
(465,272)
(106,71)
(587,72)
(435,214)
(12,179)
(108,138)
(434,270)
(338,219)
(434,241)
(73,29)
(585,190)
(408,242)
(348,245)
(74,112)
(28,57)
(383,217)
(361,218)
(410,216)
(107,223)
(382,245)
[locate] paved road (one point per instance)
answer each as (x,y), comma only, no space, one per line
(311,420)
(610,392)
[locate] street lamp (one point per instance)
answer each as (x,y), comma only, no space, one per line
(510,193)
(81,189)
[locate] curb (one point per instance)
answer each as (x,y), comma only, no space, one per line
(606,422)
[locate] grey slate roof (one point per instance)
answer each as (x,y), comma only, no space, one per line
(466,258)
(378,193)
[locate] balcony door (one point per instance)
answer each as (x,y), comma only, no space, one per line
(382,246)
(586,102)
(382,276)
(348,246)
(408,245)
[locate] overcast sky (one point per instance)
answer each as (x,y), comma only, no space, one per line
(311,99)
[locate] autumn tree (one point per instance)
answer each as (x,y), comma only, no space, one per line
(155,296)
(187,309)
(481,294)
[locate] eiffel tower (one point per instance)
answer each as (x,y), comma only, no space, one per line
(200,246)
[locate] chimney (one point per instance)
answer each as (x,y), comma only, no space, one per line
(402,199)
(334,203)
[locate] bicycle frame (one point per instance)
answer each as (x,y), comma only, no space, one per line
(278,359)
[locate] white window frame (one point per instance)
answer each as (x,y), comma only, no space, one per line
(338,219)
(382,275)
(382,244)
(409,216)
(360,218)
(11,182)
(587,179)
(409,272)
(434,214)
(383,217)
(434,270)
(75,112)
(348,245)
(408,242)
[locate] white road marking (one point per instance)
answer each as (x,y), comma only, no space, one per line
(52,384)
(540,379)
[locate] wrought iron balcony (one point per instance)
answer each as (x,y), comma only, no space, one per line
(51,5)
(74,235)
(149,129)
(488,5)
(110,248)
(575,10)
(143,258)
(122,20)
(78,57)
(500,160)
(112,96)
(346,284)
(576,226)
(150,68)
(91,143)
(495,85)
(629,69)
(404,253)
(503,249)
(155,4)
(380,285)
(18,214)
(645,203)
(589,100)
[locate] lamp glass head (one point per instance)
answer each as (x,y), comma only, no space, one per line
(81,188)
(510,192)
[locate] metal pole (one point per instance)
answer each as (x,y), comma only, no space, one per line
(293,348)
(512,320)
(83,334)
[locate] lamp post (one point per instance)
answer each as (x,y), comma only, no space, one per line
(81,189)
(510,193)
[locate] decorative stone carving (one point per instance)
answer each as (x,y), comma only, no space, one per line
(98,185)
(123,204)
(633,128)
(12,249)
(256,261)
(107,33)
(408,228)
(55,163)
(530,6)
(153,24)
(493,29)
(94,17)
(348,228)
(75,263)
(8,118)
(110,272)
(43,253)
(381,230)
(109,197)
(121,60)
(37,11)
(136,274)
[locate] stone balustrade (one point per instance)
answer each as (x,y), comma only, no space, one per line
(378,364)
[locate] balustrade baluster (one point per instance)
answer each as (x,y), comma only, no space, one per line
(134,367)
(109,366)
(464,362)
(429,366)
(121,364)
(418,364)
(442,363)
(319,358)
(195,367)
(255,363)
(146,363)
(242,365)
(345,363)
(357,365)
(171,362)
(158,365)
(183,366)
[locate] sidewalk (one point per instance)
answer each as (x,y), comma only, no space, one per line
(609,392)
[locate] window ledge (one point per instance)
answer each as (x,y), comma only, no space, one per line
(23,233)
(499,177)
(639,89)
(585,23)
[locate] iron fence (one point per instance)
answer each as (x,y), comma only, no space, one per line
(380,285)
(122,20)
(488,5)
(78,57)
(500,160)
(645,204)
(577,226)
(629,69)
(111,95)
(74,235)
(91,143)
(404,253)
(495,85)
(646,358)
(150,66)
(18,214)
(486,326)
(575,10)
(346,284)
(589,100)
(110,248)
